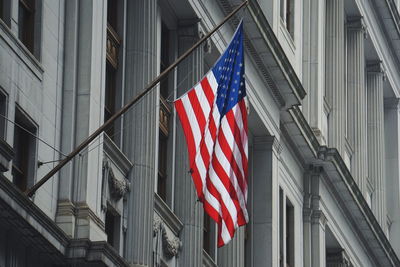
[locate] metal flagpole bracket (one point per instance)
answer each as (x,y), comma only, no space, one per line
(29,192)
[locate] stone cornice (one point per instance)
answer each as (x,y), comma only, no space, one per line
(35,223)
(86,251)
(341,179)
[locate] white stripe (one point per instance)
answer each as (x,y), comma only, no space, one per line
(194,125)
(239,121)
(201,165)
(226,198)
(225,235)
(232,177)
(203,100)
(212,81)
(230,139)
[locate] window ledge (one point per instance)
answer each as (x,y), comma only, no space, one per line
(287,35)
(20,50)
(6,154)
(116,155)
(207,260)
(167,215)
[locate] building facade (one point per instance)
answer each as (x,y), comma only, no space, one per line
(323,86)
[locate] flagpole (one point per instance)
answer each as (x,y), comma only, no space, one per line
(29,192)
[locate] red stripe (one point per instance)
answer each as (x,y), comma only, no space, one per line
(191,146)
(186,128)
(226,216)
(228,186)
(194,102)
(230,157)
(208,91)
(236,134)
(243,109)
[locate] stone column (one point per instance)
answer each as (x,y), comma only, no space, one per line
(141,126)
(392,166)
(186,206)
(337,258)
(313,66)
(376,145)
(232,254)
(264,202)
(334,70)
(357,99)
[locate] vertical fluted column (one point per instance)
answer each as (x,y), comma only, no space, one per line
(141,127)
(356,99)
(334,70)
(232,254)
(186,206)
(376,145)
(392,166)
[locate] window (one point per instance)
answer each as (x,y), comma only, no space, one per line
(23,166)
(286,231)
(289,234)
(287,15)
(112,101)
(207,233)
(112,227)
(165,114)
(281,228)
(5,11)
(3,114)
(26,23)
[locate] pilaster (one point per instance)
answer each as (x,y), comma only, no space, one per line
(264,202)
(141,126)
(186,205)
(314,220)
(82,114)
(375,138)
(313,66)
(357,99)
(335,70)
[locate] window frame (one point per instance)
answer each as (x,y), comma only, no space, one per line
(21,118)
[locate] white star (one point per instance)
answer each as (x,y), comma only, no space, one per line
(235,81)
(232,98)
(240,64)
(237,73)
(241,84)
(219,68)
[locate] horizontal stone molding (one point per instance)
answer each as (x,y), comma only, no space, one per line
(167,215)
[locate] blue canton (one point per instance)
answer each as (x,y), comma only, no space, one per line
(229,73)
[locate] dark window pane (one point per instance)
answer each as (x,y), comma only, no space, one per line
(3,112)
(207,233)
(26,22)
(24,146)
(109,101)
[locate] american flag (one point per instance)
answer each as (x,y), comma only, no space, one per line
(213,115)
